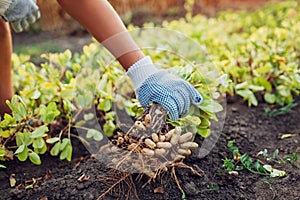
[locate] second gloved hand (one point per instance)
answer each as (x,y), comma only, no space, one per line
(159,86)
(20,13)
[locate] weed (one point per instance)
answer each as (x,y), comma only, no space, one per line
(240,162)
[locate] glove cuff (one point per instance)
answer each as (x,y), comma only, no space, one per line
(4,5)
(140,71)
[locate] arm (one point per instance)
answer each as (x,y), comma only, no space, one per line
(102,21)
(150,83)
(6,89)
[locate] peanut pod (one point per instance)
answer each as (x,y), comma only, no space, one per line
(176,135)
(189,145)
(174,140)
(132,146)
(139,125)
(126,138)
(154,137)
(164,145)
(160,152)
(149,143)
(120,140)
(185,137)
(120,134)
(162,138)
(178,130)
(169,134)
(147,120)
(184,152)
(148,152)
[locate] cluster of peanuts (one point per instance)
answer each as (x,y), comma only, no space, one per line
(148,151)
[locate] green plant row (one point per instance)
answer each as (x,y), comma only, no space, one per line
(259,50)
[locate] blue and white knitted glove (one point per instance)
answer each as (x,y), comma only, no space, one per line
(20,13)
(159,86)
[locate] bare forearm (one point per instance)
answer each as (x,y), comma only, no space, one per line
(102,21)
(6,89)
(5,54)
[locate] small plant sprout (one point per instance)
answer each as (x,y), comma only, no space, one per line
(240,162)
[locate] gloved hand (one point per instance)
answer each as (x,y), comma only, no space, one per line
(159,86)
(20,13)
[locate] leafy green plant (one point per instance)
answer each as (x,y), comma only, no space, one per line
(268,112)
(290,159)
(240,162)
(258,50)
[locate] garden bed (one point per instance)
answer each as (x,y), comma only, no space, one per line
(248,127)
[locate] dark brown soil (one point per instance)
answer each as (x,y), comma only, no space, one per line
(247,126)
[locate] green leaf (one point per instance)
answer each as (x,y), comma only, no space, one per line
(253,100)
(205,122)
(88,116)
(2,166)
(223,80)
(190,120)
(19,138)
(203,132)
(69,74)
(283,91)
(27,140)
(22,156)
(18,107)
(68,106)
(39,132)
(256,88)
(248,95)
(20,149)
(55,149)
(8,120)
(105,105)
(269,98)
(97,135)
(34,158)
(41,150)
(85,100)
(297,78)
(264,83)
(36,94)
(66,153)
(38,143)
(264,69)
(49,113)
(108,128)
(243,85)
(52,140)
(70,150)
(211,106)
(64,143)
(244,93)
